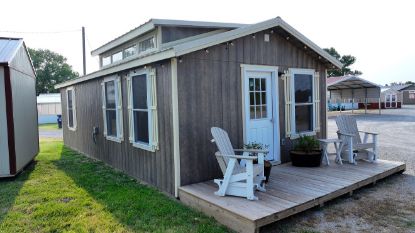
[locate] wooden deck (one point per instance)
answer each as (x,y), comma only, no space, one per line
(291,190)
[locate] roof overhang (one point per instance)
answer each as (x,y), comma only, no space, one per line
(191,46)
(351,82)
(153,23)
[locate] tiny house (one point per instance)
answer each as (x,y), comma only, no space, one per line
(19,137)
(391,98)
(148,110)
(48,108)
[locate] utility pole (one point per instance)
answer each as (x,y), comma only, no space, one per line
(83,49)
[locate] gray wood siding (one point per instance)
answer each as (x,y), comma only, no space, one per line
(405,96)
(209,94)
(153,168)
(169,34)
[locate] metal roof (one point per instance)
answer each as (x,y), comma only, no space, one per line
(153,23)
(8,48)
(349,82)
(49,98)
(177,50)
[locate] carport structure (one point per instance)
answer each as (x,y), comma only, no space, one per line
(353,92)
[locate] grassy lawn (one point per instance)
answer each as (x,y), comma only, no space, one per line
(50,126)
(67,192)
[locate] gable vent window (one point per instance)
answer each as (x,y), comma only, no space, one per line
(112,108)
(302,102)
(146,44)
(142,109)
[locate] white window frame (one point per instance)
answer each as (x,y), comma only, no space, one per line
(149,50)
(118,109)
(152,145)
(73,128)
(293,72)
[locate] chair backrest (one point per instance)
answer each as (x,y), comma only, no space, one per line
(224,145)
(347,124)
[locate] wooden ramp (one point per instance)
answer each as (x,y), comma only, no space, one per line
(291,190)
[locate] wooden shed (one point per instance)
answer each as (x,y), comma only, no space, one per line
(161,87)
(408,94)
(19,136)
(391,98)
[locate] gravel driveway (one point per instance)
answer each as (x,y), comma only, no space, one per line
(50,134)
(388,206)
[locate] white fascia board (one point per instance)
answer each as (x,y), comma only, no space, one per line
(124,38)
(244,31)
(120,67)
(223,37)
(367,81)
(200,24)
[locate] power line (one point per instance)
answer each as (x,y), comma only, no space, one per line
(41,32)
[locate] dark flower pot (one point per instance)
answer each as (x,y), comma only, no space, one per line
(267,170)
(303,159)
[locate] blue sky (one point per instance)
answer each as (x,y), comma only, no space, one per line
(378,33)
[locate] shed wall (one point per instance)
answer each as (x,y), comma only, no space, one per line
(209,94)
(176,33)
(4,147)
(155,168)
(26,134)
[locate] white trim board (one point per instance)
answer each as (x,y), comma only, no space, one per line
(198,44)
(176,141)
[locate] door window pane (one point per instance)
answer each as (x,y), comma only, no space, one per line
(257,98)
(304,118)
(141,126)
(111,123)
(110,94)
(303,87)
(139,84)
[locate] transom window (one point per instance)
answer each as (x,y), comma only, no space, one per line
(117,56)
(257,98)
(106,60)
(112,108)
(146,44)
(130,51)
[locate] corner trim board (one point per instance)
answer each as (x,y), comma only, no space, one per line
(10,120)
(176,141)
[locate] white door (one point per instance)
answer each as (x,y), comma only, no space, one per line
(259,111)
(393,101)
(387,101)
(390,101)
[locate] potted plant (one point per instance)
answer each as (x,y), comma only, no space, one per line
(267,164)
(306,152)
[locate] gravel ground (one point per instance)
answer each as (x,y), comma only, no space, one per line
(50,134)
(388,206)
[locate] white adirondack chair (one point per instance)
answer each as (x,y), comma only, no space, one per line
(238,180)
(353,146)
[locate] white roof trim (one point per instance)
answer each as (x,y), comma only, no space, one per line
(202,43)
(152,24)
(122,66)
(243,31)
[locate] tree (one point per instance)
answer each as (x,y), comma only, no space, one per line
(346,60)
(51,68)
(409,82)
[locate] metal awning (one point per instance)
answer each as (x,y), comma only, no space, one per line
(349,82)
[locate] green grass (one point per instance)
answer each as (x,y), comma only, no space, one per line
(50,126)
(67,192)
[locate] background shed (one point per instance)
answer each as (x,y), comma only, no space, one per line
(352,92)
(48,107)
(19,136)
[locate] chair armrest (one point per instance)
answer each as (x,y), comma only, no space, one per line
(346,134)
(237,156)
(368,132)
(251,150)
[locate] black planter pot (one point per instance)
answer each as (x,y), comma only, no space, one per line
(301,159)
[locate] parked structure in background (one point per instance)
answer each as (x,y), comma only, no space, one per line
(407,91)
(352,92)
(48,108)
(19,137)
(390,98)
(161,87)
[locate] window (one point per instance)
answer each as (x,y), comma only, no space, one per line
(71,108)
(117,57)
(106,60)
(146,44)
(302,103)
(128,52)
(112,108)
(257,98)
(143,109)
(411,95)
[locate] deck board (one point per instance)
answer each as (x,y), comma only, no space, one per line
(291,190)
